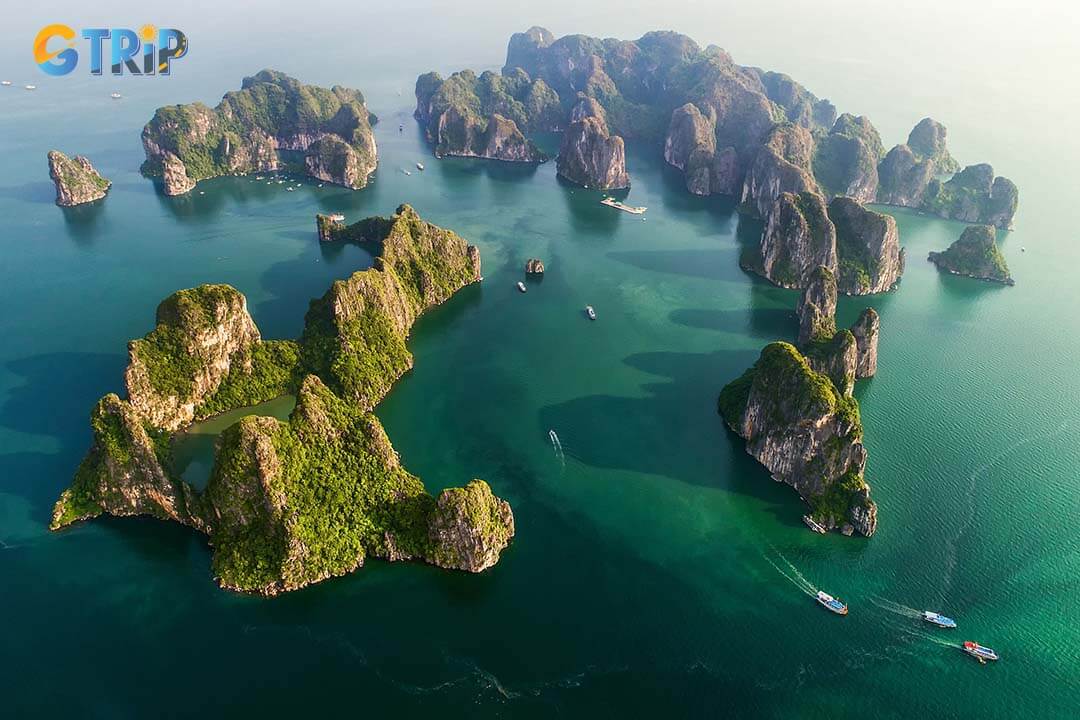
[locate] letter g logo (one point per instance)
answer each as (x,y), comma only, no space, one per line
(60,62)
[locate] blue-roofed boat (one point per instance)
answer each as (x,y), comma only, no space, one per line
(939,620)
(830,603)
(979,652)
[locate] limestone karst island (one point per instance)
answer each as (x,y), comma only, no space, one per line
(573,360)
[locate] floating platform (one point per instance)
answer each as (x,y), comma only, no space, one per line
(613,203)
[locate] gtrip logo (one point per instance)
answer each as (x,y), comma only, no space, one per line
(150,51)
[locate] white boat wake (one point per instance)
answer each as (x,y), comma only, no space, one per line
(950,547)
(557,447)
(896,608)
(793,575)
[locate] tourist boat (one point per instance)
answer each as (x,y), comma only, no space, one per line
(590,312)
(419,166)
(979,652)
(814,524)
(406,171)
(612,202)
(5,83)
(939,620)
(30,87)
(830,603)
(401,128)
(116,96)
(521,286)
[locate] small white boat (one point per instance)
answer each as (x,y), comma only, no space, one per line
(814,524)
(590,312)
(420,167)
(406,171)
(1023,249)
(521,286)
(290,189)
(830,603)
(30,87)
(116,96)
(320,184)
(939,620)
(5,83)
(979,652)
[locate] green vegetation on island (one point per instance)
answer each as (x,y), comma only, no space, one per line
(975,254)
(487,116)
(806,432)
(76,180)
(292,503)
(245,132)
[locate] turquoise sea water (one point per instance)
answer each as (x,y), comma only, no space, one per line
(657,570)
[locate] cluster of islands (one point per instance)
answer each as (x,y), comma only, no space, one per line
(293,502)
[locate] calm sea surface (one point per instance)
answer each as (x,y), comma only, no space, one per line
(657,571)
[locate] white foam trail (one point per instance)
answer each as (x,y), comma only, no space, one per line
(923,635)
(802,578)
(951,555)
(557,446)
(804,587)
(896,608)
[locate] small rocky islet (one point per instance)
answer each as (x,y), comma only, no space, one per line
(293,503)
(76,180)
(975,254)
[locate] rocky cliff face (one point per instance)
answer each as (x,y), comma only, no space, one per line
(975,255)
(589,155)
(199,334)
(903,177)
(927,141)
(973,195)
(243,134)
(836,358)
(806,433)
(868,247)
(866,330)
(817,307)
(372,312)
(293,503)
(76,180)
(798,237)
(907,170)
(845,356)
(486,116)
(329,227)
(694,103)
(845,161)
(333,160)
(124,474)
(782,165)
(690,145)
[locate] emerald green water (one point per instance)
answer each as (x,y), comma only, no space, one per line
(656,567)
